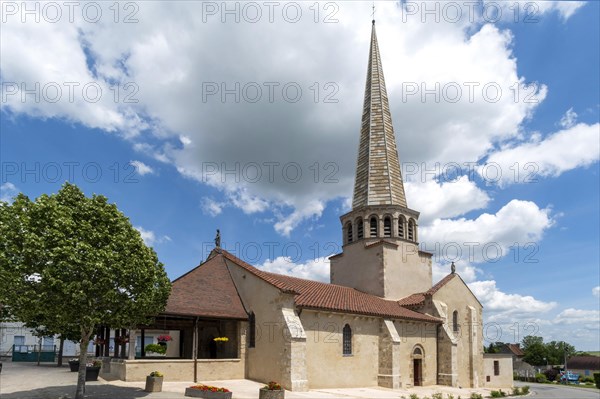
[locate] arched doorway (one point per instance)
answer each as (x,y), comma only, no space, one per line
(417,359)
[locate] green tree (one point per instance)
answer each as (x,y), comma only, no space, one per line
(535,350)
(69,262)
(557,351)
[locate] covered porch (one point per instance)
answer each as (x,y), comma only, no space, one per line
(200,335)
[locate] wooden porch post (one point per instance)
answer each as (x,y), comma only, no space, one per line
(107,342)
(123,334)
(143,351)
(117,344)
(195,350)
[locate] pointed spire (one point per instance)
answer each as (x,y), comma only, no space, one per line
(378,177)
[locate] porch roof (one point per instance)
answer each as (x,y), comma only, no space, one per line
(206,291)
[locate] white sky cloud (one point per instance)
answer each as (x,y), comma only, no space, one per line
(487,238)
(445,200)
(211,207)
(8,191)
(569,119)
(314,269)
(596,291)
(141,168)
(574,147)
(150,237)
(175,123)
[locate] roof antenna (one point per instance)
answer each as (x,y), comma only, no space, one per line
(373,13)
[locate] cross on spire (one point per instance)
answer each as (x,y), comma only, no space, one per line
(373,13)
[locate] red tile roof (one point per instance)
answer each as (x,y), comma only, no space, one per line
(316,295)
(515,349)
(206,291)
(418,298)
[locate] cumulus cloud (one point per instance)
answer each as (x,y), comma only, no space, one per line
(211,207)
(447,199)
(150,238)
(314,269)
(568,119)
(141,168)
(496,301)
(175,119)
(567,149)
(596,291)
(8,191)
(488,237)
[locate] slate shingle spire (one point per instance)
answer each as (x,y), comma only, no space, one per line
(378,176)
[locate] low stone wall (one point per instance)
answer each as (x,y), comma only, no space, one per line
(176,369)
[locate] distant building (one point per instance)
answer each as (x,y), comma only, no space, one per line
(585,366)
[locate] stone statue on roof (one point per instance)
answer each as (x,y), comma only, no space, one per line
(218,239)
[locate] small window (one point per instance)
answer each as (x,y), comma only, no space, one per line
(496,367)
(455,321)
(360,232)
(387,227)
(373,226)
(401,222)
(418,351)
(251,330)
(411,230)
(347,340)
(349,232)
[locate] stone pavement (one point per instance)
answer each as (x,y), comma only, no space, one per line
(28,381)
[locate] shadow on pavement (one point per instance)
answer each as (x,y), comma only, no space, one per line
(91,391)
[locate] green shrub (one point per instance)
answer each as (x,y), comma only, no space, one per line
(539,377)
(450,396)
(587,379)
(437,396)
(498,394)
(414,396)
(156,348)
(476,396)
(597,379)
(525,390)
(516,391)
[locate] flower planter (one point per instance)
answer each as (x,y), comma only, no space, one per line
(74,365)
(271,394)
(91,373)
(153,384)
(197,393)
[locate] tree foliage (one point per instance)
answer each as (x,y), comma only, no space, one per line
(539,353)
(69,263)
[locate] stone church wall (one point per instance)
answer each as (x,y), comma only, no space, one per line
(327,366)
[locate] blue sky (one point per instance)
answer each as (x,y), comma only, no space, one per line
(162,153)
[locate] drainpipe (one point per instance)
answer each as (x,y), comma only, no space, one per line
(195,349)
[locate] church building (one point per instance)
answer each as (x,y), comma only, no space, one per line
(380,322)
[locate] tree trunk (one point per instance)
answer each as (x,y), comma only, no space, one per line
(61,347)
(83,344)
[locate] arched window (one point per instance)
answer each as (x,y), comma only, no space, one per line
(251,330)
(387,226)
(347,340)
(360,229)
(417,352)
(411,230)
(373,226)
(401,223)
(349,232)
(455,321)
